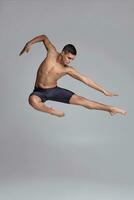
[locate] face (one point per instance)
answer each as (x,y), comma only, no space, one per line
(67,58)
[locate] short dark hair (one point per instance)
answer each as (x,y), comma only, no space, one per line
(69,48)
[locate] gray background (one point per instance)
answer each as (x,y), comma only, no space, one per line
(87,154)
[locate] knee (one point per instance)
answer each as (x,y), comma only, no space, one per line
(34,101)
(80,100)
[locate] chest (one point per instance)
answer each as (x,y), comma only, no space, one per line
(57,71)
(52,69)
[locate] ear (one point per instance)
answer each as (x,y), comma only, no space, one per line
(62,53)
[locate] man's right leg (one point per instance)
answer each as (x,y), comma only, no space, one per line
(37,104)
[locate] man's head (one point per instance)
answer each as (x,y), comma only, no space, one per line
(69,48)
(68,54)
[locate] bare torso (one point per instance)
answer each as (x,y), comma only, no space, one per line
(49,72)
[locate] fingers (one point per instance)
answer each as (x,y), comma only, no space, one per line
(110,94)
(20,53)
(23,50)
(116,94)
(113,95)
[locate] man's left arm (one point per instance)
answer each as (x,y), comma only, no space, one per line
(75,74)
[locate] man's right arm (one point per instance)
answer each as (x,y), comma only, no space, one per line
(41,38)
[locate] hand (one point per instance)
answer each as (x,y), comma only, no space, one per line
(110,94)
(26,48)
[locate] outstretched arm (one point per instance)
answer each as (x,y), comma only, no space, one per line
(41,38)
(75,74)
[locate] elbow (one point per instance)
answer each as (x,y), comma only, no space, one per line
(84,80)
(43,37)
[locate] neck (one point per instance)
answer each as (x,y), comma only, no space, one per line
(59,59)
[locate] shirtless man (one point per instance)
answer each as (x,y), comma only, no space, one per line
(54,66)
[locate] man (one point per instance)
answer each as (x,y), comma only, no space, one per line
(54,66)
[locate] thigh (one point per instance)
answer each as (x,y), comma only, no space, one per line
(77,100)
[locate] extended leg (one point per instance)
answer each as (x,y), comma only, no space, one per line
(36,103)
(78,100)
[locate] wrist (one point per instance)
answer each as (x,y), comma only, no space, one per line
(29,43)
(103,91)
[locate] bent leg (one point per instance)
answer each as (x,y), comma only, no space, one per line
(37,104)
(78,100)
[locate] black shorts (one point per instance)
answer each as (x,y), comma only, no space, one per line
(54,94)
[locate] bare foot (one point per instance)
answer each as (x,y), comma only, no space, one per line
(57,113)
(115,110)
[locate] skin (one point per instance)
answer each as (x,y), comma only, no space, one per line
(54,66)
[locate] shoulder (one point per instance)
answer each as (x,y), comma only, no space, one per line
(70,70)
(52,54)
(48,44)
(74,73)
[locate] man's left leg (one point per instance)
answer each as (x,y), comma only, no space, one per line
(78,100)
